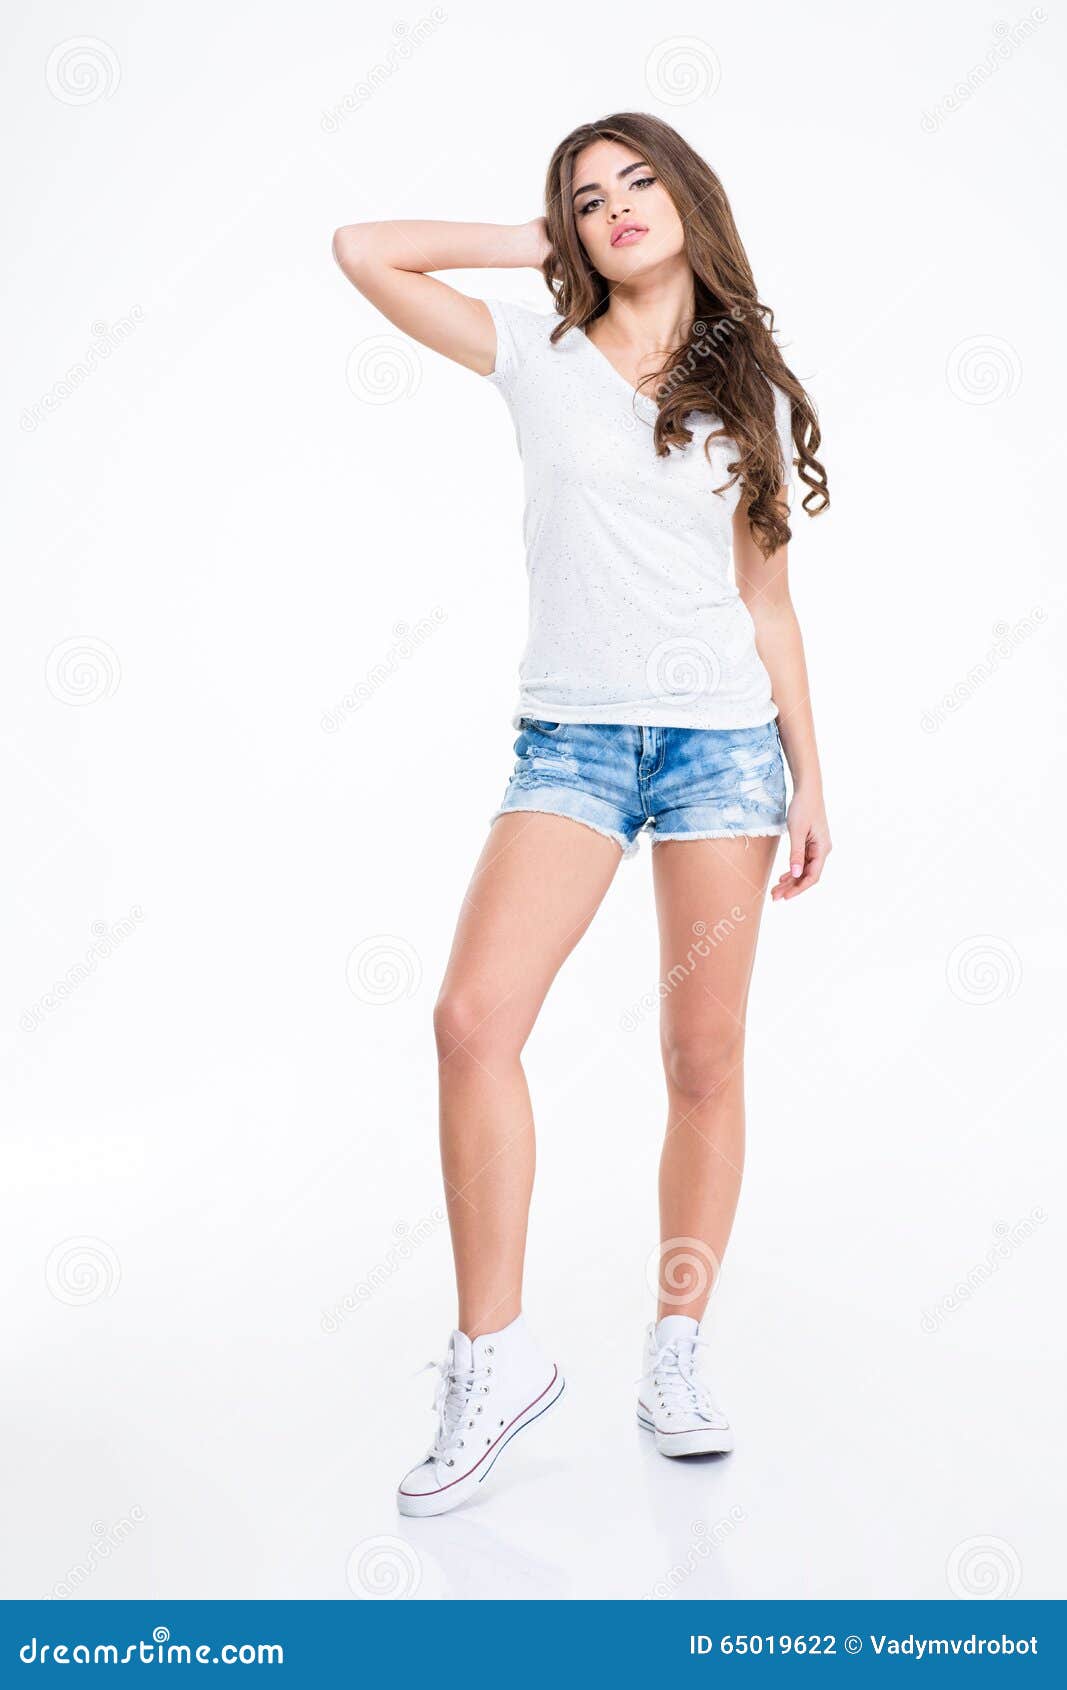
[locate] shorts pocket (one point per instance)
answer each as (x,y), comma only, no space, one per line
(541,727)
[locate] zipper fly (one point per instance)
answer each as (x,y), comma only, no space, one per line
(653,747)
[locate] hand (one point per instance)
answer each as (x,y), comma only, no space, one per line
(809,845)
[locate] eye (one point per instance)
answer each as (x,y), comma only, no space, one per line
(643,181)
(589,205)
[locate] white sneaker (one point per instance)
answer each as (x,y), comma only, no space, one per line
(490,1388)
(674,1403)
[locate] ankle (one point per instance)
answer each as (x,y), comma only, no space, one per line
(489,1323)
(691,1311)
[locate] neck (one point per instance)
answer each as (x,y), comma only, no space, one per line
(651,314)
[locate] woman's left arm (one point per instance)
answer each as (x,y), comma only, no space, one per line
(763,583)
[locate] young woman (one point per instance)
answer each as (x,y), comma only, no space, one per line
(663,677)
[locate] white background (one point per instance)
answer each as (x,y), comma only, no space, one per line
(227,1126)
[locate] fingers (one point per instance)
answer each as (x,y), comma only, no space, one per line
(798,850)
(790,884)
(798,838)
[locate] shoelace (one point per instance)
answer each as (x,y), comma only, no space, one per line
(453,1406)
(674,1381)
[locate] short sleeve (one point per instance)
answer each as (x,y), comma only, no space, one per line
(523,346)
(783,422)
(508,359)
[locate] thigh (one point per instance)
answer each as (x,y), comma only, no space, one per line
(709,899)
(535,889)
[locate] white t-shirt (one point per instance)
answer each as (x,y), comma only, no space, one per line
(635,616)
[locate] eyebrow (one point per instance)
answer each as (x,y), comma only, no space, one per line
(626,171)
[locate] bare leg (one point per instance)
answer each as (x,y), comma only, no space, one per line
(536,888)
(709,898)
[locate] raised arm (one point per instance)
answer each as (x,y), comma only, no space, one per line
(389,264)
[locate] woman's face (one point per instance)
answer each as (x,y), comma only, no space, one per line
(625,219)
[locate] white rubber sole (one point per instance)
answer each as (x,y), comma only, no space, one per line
(709,1440)
(423,1505)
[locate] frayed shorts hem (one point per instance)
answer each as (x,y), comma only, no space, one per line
(723,833)
(628,847)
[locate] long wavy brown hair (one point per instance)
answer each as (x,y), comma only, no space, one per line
(721,365)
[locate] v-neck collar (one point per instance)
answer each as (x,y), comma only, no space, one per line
(627,386)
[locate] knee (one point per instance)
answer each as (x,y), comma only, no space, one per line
(457,1015)
(701,1066)
(466,1018)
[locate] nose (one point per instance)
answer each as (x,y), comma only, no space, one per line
(622,211)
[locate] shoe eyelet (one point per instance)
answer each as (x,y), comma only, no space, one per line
(450,1462)
(501,1422)
(478,1410)
(489,1351)
(488,1440)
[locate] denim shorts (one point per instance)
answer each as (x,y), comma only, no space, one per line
(678,783)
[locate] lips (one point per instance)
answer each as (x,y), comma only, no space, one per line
(628,233)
